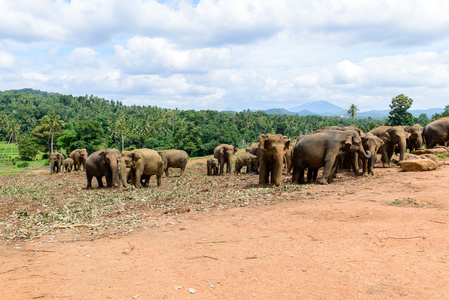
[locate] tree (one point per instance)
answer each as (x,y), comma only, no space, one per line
(52,123)
(352,112)
(82,134)
(122,126)
(13,131)
(398,113)
(187,137)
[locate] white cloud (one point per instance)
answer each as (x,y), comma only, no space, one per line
(83,56)
(7,61)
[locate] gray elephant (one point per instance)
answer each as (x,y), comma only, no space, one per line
(272,148)
(175,159)
(436,133)
(224,154)
(143,163)
(79,157)
(392,136)
(67,164)
(246,160)
(212,166)
(56,160)
(322,148)
(103,163)
(415,140)
(372,143)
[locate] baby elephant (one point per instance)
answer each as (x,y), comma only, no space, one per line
(212,166)
(247,160)
(67,164)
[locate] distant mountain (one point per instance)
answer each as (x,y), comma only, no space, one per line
(306,112)
(228,109)
(321,108)
(279,111)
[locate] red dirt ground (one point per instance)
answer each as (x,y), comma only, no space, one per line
(381,237)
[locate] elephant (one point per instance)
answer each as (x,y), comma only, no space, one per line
(224,153)
(246,160)
(436,133)
(270,154)
(415,140)
(322,148)
(175,159)
(67,164)
(212,166)
(392,136)
(253,148)
(56,160)
(372,143)
(79,157)
(103,163)
(288,157)
(142,163)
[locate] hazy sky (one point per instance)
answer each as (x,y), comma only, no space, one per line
(212,54)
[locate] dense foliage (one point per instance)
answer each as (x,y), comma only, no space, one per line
(398,113)
(93,123)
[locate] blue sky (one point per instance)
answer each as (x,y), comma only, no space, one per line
(213,54)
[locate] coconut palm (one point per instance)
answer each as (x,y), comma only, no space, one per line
(352,112)
(52,123)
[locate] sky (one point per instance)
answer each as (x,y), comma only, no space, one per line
(243,54)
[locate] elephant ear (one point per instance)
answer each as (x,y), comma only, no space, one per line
(386,136)
(262,139)
(222,150)
(102,154)
(236,149)
(135,157)
(287,142)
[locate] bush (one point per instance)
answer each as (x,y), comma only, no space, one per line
(23,164)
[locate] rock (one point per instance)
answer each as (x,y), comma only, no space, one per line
(418,165)
(441,151)
(431,157)
(408,156)
(192,291)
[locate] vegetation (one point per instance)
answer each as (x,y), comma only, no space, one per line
(352,112)
(398,113)
(42,122)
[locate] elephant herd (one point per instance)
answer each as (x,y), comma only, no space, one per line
(330,148)
(112,164)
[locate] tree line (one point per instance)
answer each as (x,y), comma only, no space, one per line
(43,122)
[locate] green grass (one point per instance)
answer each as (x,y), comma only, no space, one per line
(7,154)
(8,167)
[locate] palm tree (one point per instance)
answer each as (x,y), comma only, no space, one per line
(352,112)
(121,125)
(13,131)
(52,123)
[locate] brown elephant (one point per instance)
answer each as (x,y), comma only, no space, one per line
(103,163)
(224,154)
(212,166)
(272,148)
(253,148)
(415,140)
(175,159)
(436,133)
(322,148)
(372,143)
(288,159)
(56,160)
(143,163)
(246,160)
(67,164)
(79,157)
(392,136)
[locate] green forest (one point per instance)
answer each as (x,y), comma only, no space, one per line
(35,118)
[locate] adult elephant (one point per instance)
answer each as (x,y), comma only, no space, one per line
(288,159)
(175,159)
(371,143)
(79,157)
(272,148)
(436,133)
(415,140)
(322,148)
(246,160)
(224,154)
(143,163)
(253,148)
(103,163)
(212,166)
(67,164)
(56,160)
(392,136)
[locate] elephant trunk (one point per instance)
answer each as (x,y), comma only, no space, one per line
(115,173)
(402,148)
(365,155)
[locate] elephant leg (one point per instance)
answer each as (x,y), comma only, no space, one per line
(166,172)
(182,170)
(89,181)
(100,181)
(159,179)
(137,178)
(328,168)
(355,163)
(276,173)
(263,175)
